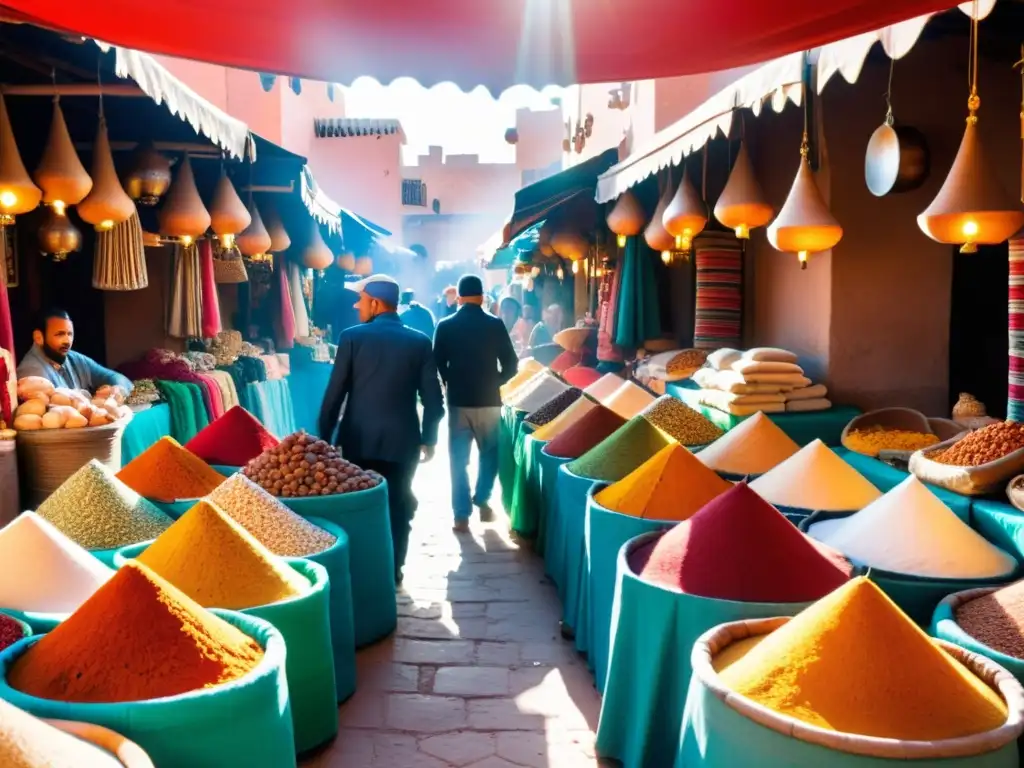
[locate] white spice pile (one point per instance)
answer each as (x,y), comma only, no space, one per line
(97,511)
(604,387)
(757,445)
(27,742)
(628,400)
(816,478)
(910,531)
(43,570)
(269,521)
(537,391)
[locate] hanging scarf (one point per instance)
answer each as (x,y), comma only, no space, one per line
(285,321)
(210,304)
(298,301)
(6,325)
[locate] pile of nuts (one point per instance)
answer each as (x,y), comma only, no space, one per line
(687,360)
(983,446)
(302,465)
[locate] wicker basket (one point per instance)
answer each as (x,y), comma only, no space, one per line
(48,457)
(227,271)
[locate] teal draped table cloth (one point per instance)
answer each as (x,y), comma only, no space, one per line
(307,385)
(572,513)
(524,515)
(885,478)
(511,419)
(271,402)
(145,428)
(803,428)
(550,531)
(652,634)
(1001,523)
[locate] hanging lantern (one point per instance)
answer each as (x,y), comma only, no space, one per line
(805,225)
(626,218)
(666,257)
(279,239)
(316,255)
(57,235)
(150,175)
(364,266)
(742,206)
(60,174)
(106,205)
(575,267)
(512,136)
(569,244)
(228,214)
(254,241)
(17,192)
(183,214)
(657,237)
(347,262)
(686,214)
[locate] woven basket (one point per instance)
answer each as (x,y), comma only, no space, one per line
(48,457)
(9,506)
(230,271)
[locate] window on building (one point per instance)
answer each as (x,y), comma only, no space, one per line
(414,192)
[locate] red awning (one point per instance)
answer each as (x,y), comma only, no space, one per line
(495,43)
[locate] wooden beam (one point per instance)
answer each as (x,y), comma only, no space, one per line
(194,149)
(74,89)
(265,188)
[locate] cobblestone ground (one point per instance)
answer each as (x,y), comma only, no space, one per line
(476,675)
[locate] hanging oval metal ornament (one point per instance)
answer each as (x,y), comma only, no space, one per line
(897,159)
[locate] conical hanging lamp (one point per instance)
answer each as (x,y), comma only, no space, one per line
(972,207)
(347,261)
(279,239)
(686,214)
(107,204)
(149,177)
(60,174)
(742,205)
(254,240)
(805,225)
(183,214)
(57,235)
(316,255)
(626,218)
(657,237)
(364,266)
(228,214)
(17,192)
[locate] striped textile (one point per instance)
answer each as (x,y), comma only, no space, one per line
(1015,390)
(719,303)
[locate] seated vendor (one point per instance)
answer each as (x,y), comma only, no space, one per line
(52,359)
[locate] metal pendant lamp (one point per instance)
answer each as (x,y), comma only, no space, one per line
(742,206)
(107,204)
(686,214)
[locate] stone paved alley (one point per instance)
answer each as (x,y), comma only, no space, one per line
(477,675)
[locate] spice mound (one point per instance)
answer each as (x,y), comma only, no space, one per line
(984,445)
(11,631)
(628,400)
(553,407)
(871,440)
(537,391)
(854,663)
(604,387)
(43,570)
(27,742)
(232,439)
(270,522)
(622,451)
(757,445)
(219,564)
(671,485)
(816,478)
(137,638)
(910,531)
(96,510)
(565,419)
(681,421)
(527,370)
(996,619)
(739,547)
(167,472)
(593,427)
(302,465)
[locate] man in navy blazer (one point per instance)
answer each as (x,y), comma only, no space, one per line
(382,370)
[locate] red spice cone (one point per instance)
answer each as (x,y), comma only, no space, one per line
(233,440)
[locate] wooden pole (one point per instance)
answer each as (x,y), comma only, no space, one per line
(74,89)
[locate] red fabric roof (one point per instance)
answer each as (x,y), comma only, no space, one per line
(495,43)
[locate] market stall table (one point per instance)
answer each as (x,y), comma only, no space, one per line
(525,513)
(508,431)
(803,428)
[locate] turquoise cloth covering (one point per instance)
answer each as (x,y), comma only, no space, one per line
(524,516)
(271,403)
(554,553)
(571,521)
(508,430)
(652,633)
(1000,523)
(145,428)
(307,384)
(803,428)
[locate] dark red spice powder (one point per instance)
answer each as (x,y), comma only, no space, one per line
(565,361)
(581,376)
(590,430)
(739,547)
(234,439)
(10,631)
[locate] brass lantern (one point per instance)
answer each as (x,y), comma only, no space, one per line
(106,205)
(149,176)
(57,235)
(686,214)
(183,214)
(228,214)
(254,240)
(626,218)
(17,192)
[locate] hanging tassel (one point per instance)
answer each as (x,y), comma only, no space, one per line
(120,261)
(211,303)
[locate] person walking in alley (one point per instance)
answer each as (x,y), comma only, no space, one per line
(381,371)
(415,315)
(474,357)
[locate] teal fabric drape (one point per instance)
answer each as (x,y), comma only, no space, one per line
(637,317)
(145,428)
(308,383)
(271,403)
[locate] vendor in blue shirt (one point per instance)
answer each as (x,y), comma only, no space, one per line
(51,358)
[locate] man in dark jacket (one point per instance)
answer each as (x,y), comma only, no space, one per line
(415,315)
(381,371)
(474,358)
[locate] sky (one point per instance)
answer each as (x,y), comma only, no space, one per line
(459,122)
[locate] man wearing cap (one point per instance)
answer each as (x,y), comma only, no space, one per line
(474,358)
(382,370)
